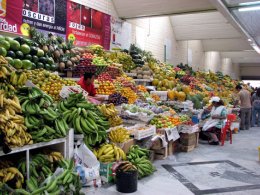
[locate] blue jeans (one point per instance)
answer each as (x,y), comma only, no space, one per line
(255,113)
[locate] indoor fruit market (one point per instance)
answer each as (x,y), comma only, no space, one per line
(142,97)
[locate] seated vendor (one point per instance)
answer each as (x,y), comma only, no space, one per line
(212,127)
(87,83)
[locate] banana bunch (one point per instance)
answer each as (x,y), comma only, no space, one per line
(56,184)
(144,166)
(11,123)
(4,69)
(137,152)
(12,173)
(18,78)
(110,153)
(55,156)
(115,121)
(119,135)
(43,121)
(108,110)
(7,87)
(126,166)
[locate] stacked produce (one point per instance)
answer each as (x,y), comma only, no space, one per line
(11,122)
(165,121)
(109,153)
(139,158)
(137,109)
(85,118)
(105,88)
(48,82)
(119,135)
(141,88)
(129,94)
(143,72)
(111,113)
(126,166)
(122,58)
(44,123)
(60,183)
(11,176)
(117,99)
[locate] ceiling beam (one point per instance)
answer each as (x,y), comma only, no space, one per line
(170,14)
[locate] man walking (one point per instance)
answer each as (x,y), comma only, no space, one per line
(244,98)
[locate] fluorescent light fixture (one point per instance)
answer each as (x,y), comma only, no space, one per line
(249,40)
(247,9)
(250,3)
(256,48)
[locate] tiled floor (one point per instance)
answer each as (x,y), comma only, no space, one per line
(231,169)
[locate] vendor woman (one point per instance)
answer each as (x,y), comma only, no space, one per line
(87,83)
(212,127)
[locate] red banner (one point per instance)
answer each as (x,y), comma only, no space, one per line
(86,26)
(11,16)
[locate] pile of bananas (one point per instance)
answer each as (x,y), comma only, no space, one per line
(11,175)
(55,156)
(11,122)
(139,157)
(5,71)
(119,135)
(85,118)
(18,79)
(137,152)
(109,153)
(115,121)
(108,110)
(144,166)
(56,184)
(43,121)
(126,166)
(111,113)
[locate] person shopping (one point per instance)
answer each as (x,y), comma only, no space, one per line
(256,108)
(212,127)
(87,83)
(244,98)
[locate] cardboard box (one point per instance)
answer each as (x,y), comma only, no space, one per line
(106,172)
(189,139)
(127,145)
(186,148)
(161,154)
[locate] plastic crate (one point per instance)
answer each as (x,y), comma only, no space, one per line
(141,134)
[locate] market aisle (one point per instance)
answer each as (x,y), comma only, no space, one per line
(232,169)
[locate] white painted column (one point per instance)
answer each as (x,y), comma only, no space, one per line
(212,61)
(236,71)
(227,66)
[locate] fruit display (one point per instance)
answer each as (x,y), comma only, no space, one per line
(165,121)
(110,112)
(129,94)
(143,165)
(109,153)
(184,118)
(105,88)
(117,99)
(48,82)
(99,61)
(124,82)
(11,176)
(87,55)
(42,120)
(136,151)
(85,118)
(96,49)
(136,109)
(143,72)
(122,58)
(59,183)
(104,77)
(119,135)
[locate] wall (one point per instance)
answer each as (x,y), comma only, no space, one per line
(212,61)
(156,31)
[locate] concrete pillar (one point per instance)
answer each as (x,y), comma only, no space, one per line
(212,61)
(236,71)
(227,66)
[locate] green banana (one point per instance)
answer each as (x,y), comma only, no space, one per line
(85,126)
(77,125)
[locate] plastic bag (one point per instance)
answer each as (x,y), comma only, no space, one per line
(86,165)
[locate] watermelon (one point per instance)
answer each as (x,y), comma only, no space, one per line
(27,64)
(39,65)
(35,59)
(47,67)
(25,49)
(14,45)
(5,44)
(34,66)
(34,50)
(3,51)
(10,60)
(18,63)
(19,54)
(28,57)
(11,54)
(40,53)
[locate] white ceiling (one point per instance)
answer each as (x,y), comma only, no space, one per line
(195,23)
(136,8)
(211,25)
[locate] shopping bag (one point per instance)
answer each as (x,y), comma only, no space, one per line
(86,165)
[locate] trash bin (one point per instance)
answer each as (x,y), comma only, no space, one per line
(126,182)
